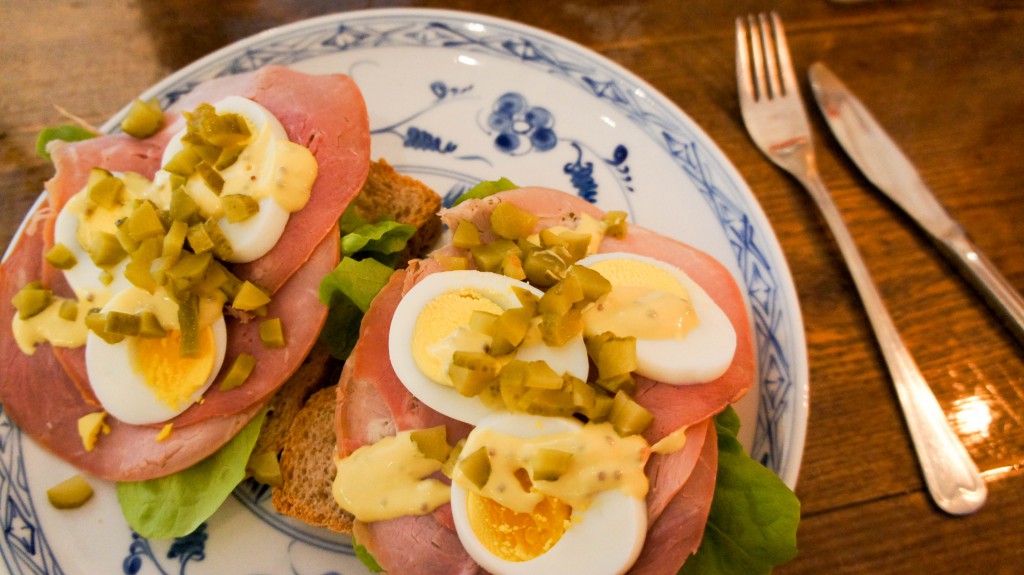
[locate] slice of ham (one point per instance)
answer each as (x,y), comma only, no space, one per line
(39,397)
(678,531)
(673,406)
(324,113)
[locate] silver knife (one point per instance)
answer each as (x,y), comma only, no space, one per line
(888,168)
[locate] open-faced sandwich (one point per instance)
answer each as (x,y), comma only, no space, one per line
(547,391)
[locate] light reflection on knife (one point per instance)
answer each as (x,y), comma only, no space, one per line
(886,166)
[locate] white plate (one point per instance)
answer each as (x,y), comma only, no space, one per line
(455,98)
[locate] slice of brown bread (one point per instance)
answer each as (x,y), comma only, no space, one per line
(308,446)
(388,194)
(307,466)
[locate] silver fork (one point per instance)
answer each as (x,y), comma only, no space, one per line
(774,115)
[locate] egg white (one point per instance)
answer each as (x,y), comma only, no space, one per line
(707,350)
(604,539)
(571,357)
(123,392)
(255,236)
(84,276)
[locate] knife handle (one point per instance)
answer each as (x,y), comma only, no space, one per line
(1005,300)
(950,474)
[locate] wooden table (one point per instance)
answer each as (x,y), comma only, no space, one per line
(943,76)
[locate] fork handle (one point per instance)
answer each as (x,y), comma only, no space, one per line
(949,472)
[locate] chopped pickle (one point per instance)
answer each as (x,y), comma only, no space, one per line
(148,250)
(184,162)
(68,310)
(121,323)
(190,267)
(173,242)
(602,408)
(472,371)
(583,395)
(250,297)
(545,267)
(228,156)
(199,240)
(106,191)
(182,207)
(511,221)
(617,356)
(149,325)
(265,468)
(576,243)
(549,464)
(144,222)
(432,442)
(466,235)
(188,322)
(483,322)
(31,300)
(547,402)
(208,153)
(593,284)
(526,298)
(452,263)
(221,245)
(627,416)
(106,278)
(239,372)
(139,275)
(271,333)
(549,238)
(225,130)
(239,207)
(126,241)
(560,297)
(453,457)
(512,267)
(510,382)
(509,330)
(615,383)
(476,467)
(96,322)
(557,329)
(615,224)
(105,250)
(71,493)
(210,177)
(539,375)
(489,257)
(231,285)
(143,118)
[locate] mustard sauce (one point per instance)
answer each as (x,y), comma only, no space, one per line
(48,327)
(671,443)
(388,479)
(267,167)
(601,461)
(440,330)
(642,313)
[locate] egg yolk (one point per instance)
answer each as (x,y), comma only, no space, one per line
(515,536)
(173,378)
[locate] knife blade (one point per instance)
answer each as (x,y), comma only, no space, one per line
(883,163)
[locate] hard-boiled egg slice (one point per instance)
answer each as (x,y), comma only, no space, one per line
(74,227)
(145,380)
(682,336)
(604,538)
(432,322)
(271,169)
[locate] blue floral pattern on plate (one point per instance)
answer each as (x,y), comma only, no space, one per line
(517,126)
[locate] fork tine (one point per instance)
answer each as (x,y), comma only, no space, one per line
(770,57)
(743,78)
(789,83)
(757,55)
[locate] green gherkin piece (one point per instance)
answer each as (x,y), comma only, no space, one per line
(144,222)
(627,416)
(511,221)
(476,467)
(239,372)
(68,310)
(107,191)
(143,119)
(239,207)
(184,162)
(272,333)
(432,442)
(183,207)
(211,178)
(60,257)
(31,300)
(549,464)
(188,323)
(615,224)
(221,245)
(106,250)
(466,235)
(120,323)
(199,240)
(149,325)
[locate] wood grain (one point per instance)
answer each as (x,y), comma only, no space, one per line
(944,76)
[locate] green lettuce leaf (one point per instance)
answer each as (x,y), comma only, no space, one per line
(348,291)
(364,556)
(67,133)
(383,240)
(754,516)
(484,189)
(175,505)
